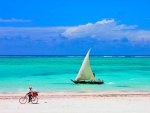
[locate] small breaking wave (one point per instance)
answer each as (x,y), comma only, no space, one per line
(110,83)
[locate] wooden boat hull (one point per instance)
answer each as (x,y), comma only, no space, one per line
(88,82)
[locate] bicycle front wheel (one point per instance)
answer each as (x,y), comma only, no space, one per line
(34,100)
(23,100)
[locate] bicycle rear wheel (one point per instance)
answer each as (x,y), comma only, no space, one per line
(34,100)
(23,100)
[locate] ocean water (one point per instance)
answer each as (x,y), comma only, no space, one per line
(53,73)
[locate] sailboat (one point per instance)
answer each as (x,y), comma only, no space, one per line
(85,74)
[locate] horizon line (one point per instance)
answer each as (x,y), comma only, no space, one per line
(75,55)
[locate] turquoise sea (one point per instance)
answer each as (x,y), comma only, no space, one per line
(53,73)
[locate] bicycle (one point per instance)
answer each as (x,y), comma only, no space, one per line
(34,98)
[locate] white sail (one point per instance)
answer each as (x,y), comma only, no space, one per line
(85,72)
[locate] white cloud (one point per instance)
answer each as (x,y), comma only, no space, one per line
(14,20)
(107,30)
(105,21)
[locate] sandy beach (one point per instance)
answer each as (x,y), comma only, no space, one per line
(79,103)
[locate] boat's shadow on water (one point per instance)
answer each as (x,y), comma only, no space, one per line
(124,86)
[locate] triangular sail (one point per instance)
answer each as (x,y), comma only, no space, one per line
(85,72)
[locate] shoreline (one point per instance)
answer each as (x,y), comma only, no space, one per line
(77,94)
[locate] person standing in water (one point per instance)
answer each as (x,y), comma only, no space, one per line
(30,93)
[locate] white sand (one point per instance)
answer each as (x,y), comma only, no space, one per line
(78,103)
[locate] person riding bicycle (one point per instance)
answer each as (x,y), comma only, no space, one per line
(30,94)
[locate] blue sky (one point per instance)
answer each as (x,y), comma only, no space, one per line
(71,27)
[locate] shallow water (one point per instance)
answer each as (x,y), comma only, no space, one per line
(52,73)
